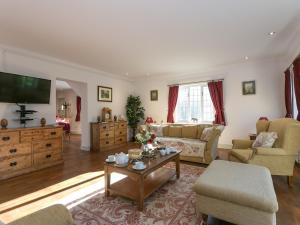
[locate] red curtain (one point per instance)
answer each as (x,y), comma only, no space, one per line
(78,107)
(297,84)
(216,94)
(173,95)
(287,92)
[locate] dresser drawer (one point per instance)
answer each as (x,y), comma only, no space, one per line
(107,134)
(52,133)
(120,140)
(46,157)
(47,145)
(15,150)
(106,127)
(120,132)
(121,125)
(16,163)
(107,142)
(11,137)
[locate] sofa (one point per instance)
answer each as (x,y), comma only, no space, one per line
(53,215)
(189,139)
(280,158)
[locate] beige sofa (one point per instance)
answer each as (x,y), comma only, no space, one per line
(53,215)
(187,138)
(280,159)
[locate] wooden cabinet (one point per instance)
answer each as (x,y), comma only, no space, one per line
(106,136)
(23,150)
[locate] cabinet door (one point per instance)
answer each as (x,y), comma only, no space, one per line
(46,157)
(120,140)
(47,145)
(52,133)
(107,134)
(104,143)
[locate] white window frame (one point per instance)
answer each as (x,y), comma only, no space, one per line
(202,85)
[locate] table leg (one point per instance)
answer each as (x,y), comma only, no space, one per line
(107,181)
(177,161)
(141,194)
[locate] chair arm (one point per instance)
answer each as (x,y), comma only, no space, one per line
(241,144)
(56,214)
(270,151)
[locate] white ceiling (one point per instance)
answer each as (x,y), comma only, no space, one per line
(156,37)
(62,85)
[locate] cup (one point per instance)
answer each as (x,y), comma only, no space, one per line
(111,158)
(139,165)
(168,151)
(162,152)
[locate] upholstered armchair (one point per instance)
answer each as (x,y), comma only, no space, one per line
(280,159)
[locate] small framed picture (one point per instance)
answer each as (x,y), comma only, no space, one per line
(104,94)
(154,95)
(249,87)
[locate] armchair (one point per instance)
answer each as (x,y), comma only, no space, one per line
(280,159)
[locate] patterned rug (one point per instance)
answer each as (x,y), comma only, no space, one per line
(172,204)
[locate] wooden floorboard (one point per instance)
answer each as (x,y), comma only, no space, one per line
(82,170)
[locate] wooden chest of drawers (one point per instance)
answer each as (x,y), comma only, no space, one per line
(106,136)
(23,150)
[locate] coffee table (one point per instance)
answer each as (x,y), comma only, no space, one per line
(139,184)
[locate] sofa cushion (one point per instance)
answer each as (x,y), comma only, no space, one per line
(246,185)
(165,131)
(157,129)
(189,147)
(175,131)
(189,132)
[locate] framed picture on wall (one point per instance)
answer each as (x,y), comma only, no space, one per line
(249,87)
(104,94)
(154,95)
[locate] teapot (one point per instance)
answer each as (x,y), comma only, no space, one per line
(122,158)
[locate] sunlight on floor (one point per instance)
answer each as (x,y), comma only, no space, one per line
(70,192)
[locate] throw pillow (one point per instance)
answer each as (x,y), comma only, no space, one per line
(157,129)
(265,139)
(206,134)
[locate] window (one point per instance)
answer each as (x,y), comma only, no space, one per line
(194,102)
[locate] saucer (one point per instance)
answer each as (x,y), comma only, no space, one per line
(135,168)
(121,165)
(108,161)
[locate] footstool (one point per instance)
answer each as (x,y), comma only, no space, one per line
(238,193)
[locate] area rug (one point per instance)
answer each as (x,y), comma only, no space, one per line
(172,204)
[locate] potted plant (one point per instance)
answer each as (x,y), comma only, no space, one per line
(134,112)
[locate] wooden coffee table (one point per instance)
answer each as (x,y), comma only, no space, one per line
(139,184)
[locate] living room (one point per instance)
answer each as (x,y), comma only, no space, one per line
(108,51)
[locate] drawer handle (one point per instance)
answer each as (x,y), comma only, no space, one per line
(120,139)
(104,127)
(120,132)
(6,138)
(53,133)
(48,145)
(48,156)
(14,150)
(106,135)
(122,125)
(13,164)
(107,142)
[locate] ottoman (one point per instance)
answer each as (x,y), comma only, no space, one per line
(238,193)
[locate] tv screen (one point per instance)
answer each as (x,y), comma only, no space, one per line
(23,89)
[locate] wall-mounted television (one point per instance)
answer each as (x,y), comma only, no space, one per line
(24,89)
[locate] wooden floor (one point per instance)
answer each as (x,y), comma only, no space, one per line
(82,170)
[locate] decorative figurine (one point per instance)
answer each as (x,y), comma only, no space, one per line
(43,122)
(4,123)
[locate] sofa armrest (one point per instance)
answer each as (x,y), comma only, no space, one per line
(241,144)
(270,151)
(210,152)
(56,214)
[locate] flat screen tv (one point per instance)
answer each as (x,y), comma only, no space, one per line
(24,89)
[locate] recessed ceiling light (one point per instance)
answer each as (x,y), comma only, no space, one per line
(272,33)
(246,57)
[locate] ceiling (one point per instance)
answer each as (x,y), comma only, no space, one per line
(149,37)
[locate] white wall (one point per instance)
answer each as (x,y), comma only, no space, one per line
(241,112)
(23,62)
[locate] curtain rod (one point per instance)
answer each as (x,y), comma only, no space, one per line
(194,82)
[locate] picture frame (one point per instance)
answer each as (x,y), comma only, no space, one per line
(154,95)
(249,87)
(104,94)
